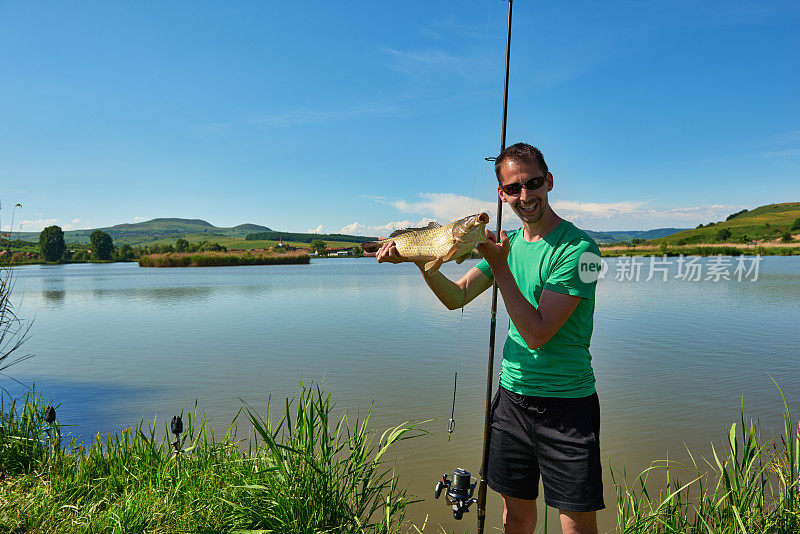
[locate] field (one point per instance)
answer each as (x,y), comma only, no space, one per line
(702,249)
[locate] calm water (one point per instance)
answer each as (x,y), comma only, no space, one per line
(117,343)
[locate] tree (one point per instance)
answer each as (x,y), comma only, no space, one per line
(723,234)
(796,225)
(787,237)
(357,252)
(318,245)
(213,247)
(51,243)
(102,245)
(126,252)
(181,245)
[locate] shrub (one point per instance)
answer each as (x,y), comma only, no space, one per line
(81,255)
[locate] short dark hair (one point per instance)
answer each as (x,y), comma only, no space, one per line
(520,153)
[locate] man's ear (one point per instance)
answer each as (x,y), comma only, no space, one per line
(549,181)
(501,195)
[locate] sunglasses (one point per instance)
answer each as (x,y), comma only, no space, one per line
(531,185)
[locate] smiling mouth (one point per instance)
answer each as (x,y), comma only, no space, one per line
(530,208)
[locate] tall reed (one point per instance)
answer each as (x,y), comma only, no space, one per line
(750,488)
(303,473)
(222,259)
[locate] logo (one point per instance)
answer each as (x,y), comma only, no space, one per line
(590,267)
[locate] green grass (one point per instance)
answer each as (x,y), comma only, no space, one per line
(753,486)
(302,472)
(220,259)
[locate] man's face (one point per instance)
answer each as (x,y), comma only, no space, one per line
(529,205)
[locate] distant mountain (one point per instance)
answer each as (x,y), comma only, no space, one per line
(249,228)
(161,224)
(617,236)
(160,228)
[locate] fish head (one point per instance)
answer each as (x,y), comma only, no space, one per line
(471,228)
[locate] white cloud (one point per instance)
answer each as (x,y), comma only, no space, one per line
(623,215)
(352,229)
(382,230)
(595,209)
(637,216)
(317,230)
(788,153)
(444,207)
(424,62)
(36,225)
(294,117)
(141,219)
(75,224)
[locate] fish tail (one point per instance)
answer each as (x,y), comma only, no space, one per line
(371,246)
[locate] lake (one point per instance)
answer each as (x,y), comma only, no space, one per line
(115,344)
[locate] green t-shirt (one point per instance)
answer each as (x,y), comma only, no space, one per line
(562,367)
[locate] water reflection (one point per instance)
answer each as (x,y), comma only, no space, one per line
(159,295)
(54,296)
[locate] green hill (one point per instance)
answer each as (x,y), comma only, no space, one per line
(765,223)
(159,229)
(618,236)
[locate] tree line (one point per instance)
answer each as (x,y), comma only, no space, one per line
(53,248)
(306,238)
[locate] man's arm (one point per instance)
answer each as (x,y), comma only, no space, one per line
(453,295)
(535,325)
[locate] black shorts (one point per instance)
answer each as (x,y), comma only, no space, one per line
(557,438)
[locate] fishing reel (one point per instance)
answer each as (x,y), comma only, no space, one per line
(459,491)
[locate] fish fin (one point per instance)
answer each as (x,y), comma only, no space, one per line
(432,266)
(432,224)
(450,254)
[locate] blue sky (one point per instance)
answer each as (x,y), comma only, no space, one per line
(363,116)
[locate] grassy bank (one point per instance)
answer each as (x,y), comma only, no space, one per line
(302,472)
(221,259)
(307,472)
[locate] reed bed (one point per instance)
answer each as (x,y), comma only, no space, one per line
(222,259)
(303,472)
(751,487)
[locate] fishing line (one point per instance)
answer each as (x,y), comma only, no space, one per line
(451,424)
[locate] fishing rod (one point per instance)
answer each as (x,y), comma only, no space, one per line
(459,483)
(493,322)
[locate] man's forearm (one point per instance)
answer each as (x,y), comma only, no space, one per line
(448,292)
(523,314)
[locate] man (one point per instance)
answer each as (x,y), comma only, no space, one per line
(545,416)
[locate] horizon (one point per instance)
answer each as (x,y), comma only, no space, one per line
(24,232)
(362,119)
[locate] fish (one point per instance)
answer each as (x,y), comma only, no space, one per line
(436,244)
